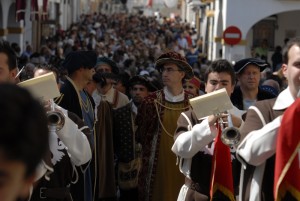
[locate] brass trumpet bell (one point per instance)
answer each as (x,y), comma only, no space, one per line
(56,119)
(231,136)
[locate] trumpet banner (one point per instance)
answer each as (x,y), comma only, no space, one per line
(221,178)
(287,162)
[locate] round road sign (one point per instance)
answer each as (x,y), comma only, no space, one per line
(232,35)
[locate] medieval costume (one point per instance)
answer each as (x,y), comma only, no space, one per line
(69,147)
(82,105)
(104,169)
(113,96)
(194,144)
(257,150)
(156,121)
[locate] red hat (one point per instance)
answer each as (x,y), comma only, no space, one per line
(195,81)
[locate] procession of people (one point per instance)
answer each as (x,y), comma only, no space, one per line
(130,132)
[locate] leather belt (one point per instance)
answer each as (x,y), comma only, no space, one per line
(193,185)
(55,193)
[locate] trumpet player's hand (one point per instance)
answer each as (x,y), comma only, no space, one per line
(236,121)
(47,105)
(213,119)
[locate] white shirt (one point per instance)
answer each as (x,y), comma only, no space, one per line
(109,96)
(170,97)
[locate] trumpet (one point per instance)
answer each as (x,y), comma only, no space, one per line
(56,119)
(230,136)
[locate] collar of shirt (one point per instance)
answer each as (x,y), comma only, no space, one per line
(133,107)
(237,112)
(74,85)
(284,100)
(171,98)
(109,96)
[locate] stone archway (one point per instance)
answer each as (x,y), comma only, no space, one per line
(246,18)
(284,26)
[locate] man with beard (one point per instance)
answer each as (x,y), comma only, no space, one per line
(126,149)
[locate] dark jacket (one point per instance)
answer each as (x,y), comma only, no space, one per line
(237,97)
(69,99)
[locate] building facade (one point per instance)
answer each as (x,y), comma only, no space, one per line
(271,21)
(41,18)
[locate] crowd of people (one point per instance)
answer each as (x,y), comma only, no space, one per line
(125,82)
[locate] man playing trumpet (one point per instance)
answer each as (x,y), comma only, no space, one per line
(195,139)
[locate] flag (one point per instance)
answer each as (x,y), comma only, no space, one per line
(287,162)
(149,3)
(20,10)
(221,176)
(34,10)
(45,10)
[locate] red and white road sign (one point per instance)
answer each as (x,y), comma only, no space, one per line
(232,35)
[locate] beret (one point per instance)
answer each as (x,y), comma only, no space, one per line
(77,59)
(241,64)
(142,80)
(270,89)
(111,63)
(174,57)
(195,81)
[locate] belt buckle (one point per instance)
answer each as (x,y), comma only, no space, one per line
(42,196)
(195,187)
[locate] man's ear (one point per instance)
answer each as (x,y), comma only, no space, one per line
(13,73)
(27,187)
(284,69)
(183,75)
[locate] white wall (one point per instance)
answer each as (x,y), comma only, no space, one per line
(245,13)
(287,21)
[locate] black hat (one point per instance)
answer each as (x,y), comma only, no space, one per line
(174,57)
(241,64)
(270,89)
(111,63)
(142,80)
(77,59)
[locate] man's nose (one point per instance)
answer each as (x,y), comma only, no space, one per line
(218,86)
(251,75)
